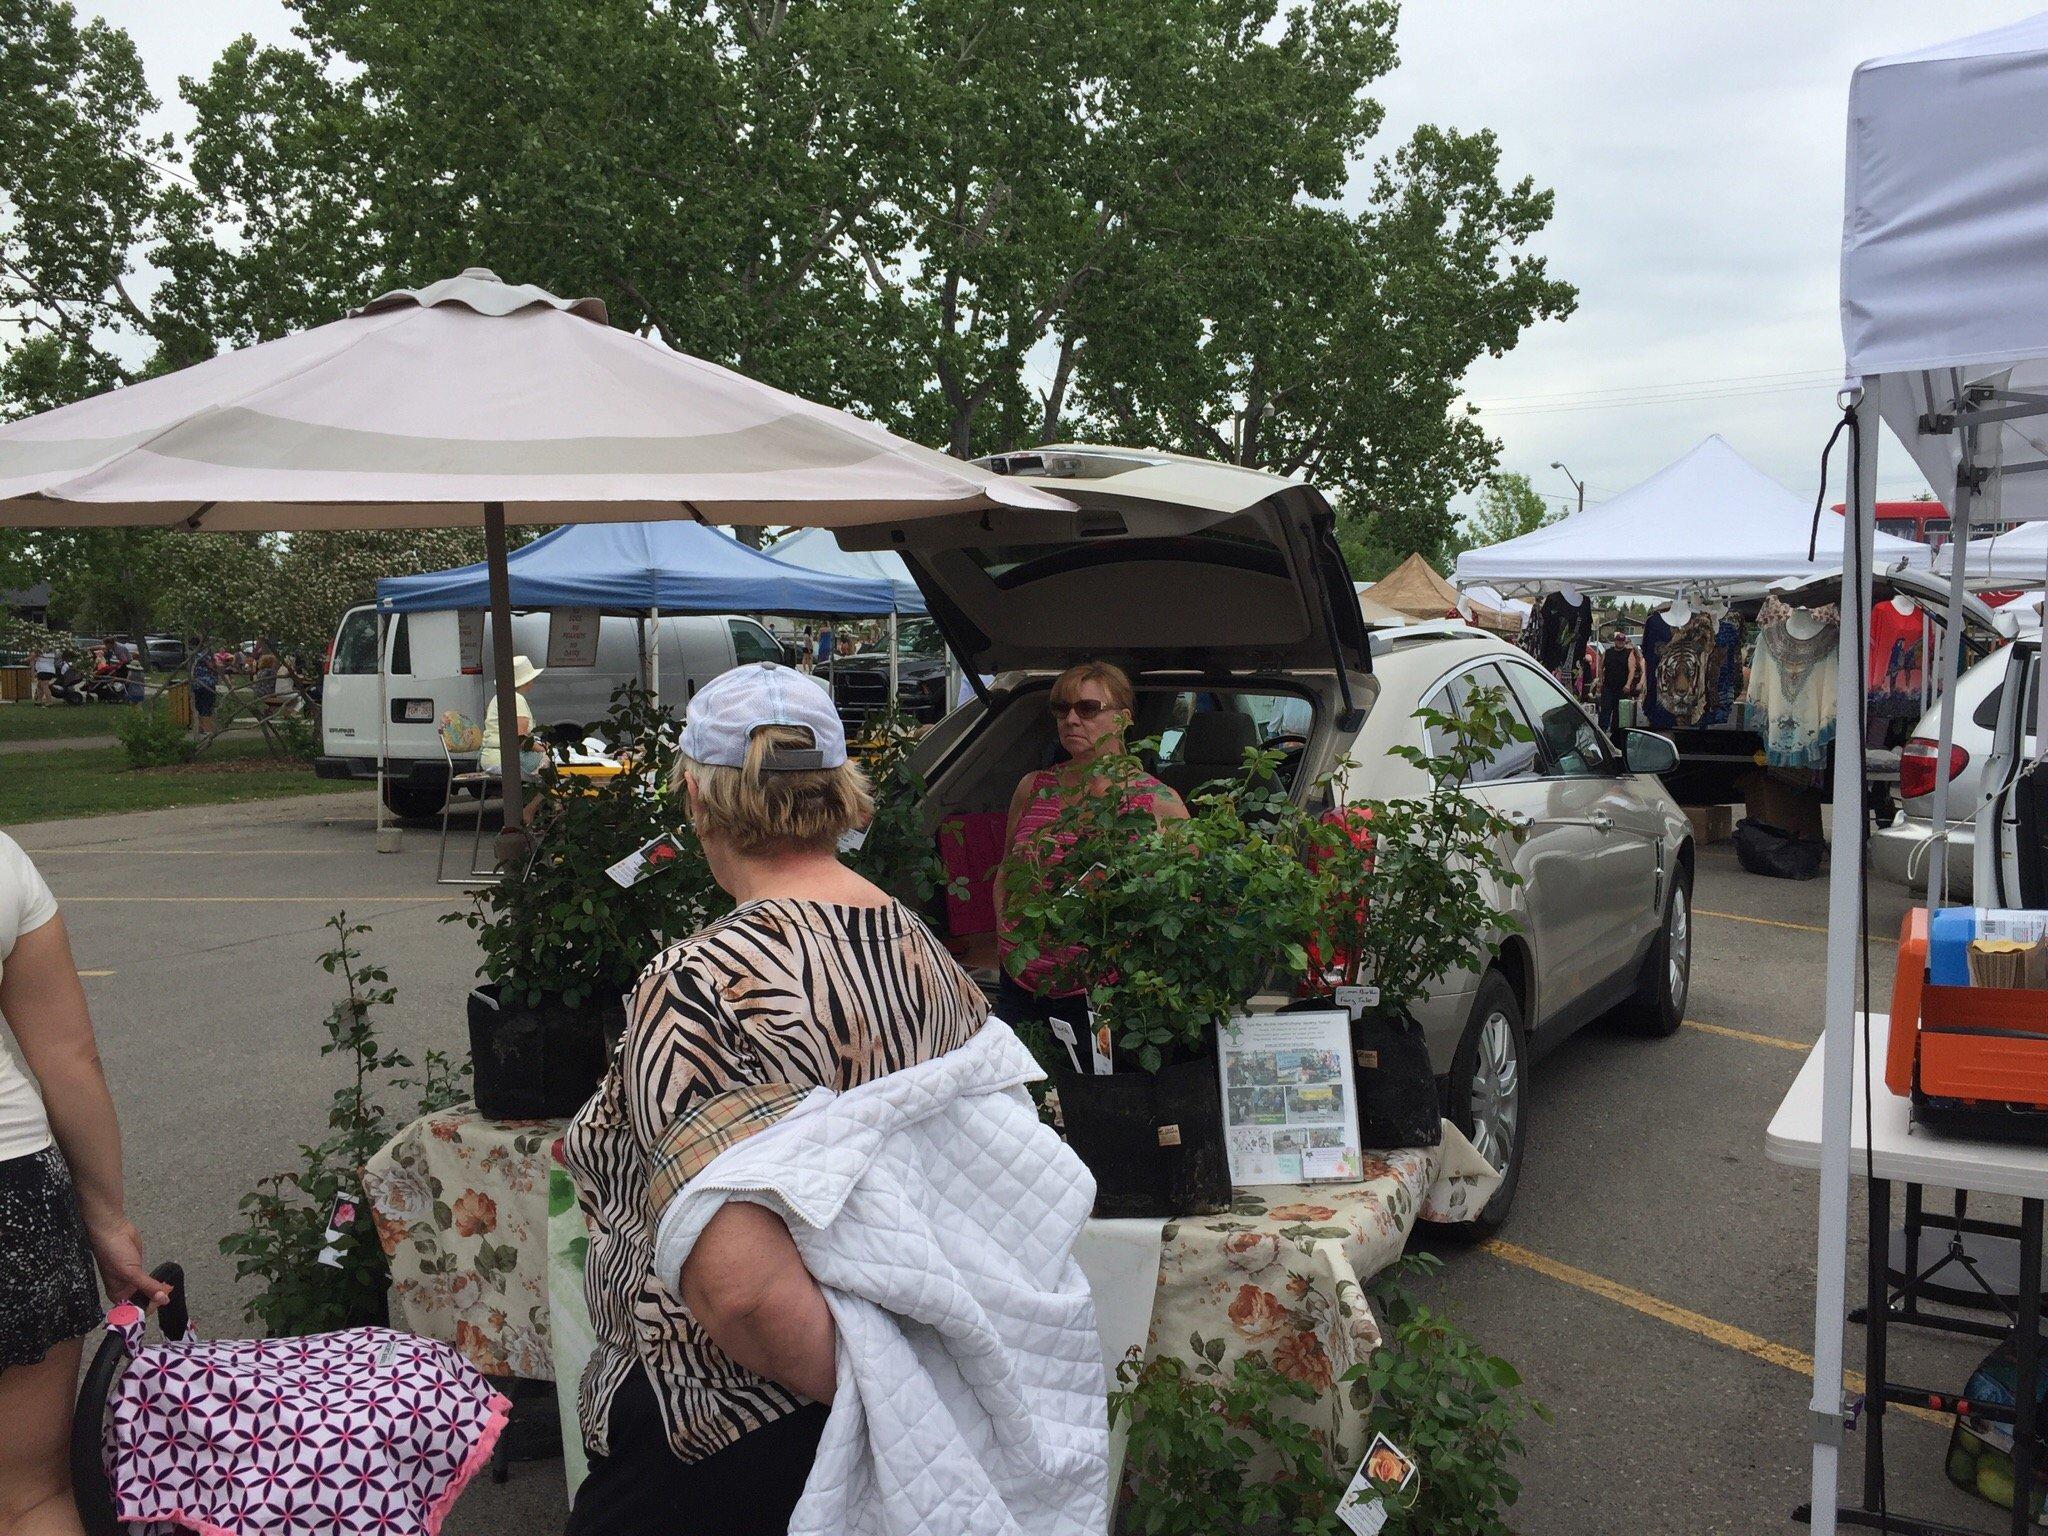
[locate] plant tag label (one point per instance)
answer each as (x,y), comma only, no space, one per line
(340,1218)
(1098,1046)
(1329,1165)
(1368,1061)
(1064,1033)
(851,839)
(1169,1135)
(1387,1471)
(1355,1000)
(648,859)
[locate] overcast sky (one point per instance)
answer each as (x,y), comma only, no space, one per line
(1696,153)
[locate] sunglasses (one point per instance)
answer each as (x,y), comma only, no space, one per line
(1086,709)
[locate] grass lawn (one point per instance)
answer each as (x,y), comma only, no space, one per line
(46,786)
(34,722)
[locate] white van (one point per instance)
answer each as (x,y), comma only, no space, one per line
(425,679)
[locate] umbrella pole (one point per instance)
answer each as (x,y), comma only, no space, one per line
(512,839)
(387,836)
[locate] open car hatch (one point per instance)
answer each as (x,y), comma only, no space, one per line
(1169,564)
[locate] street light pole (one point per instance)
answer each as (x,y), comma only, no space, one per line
(1577,484)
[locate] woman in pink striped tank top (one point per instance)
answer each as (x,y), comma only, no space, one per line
(1091,708)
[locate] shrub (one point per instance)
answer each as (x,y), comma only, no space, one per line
(285,1216)
(151,739)
(298,737)
(561,930)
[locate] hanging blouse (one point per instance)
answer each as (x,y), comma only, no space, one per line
(1726,674)
(1682,667)
(1562,628)
(1897,643)
(1792,685)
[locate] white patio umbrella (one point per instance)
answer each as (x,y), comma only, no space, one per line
(473,402)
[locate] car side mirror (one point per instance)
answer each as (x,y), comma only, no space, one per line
(1647,752)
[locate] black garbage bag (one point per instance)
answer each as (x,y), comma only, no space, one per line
(1767,850)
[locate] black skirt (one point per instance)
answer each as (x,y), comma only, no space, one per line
(48,1294)
(750,1488)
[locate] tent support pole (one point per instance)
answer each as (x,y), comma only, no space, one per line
(1845,936)
(512,839)
(654,655)
(894,662)
(1945,682)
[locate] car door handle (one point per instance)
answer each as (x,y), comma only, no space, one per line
(1601,821)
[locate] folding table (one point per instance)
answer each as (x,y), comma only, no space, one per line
(1891,1149)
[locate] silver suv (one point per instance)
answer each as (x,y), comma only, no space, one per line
(1221,591)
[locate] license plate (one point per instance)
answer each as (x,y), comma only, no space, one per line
(421,710)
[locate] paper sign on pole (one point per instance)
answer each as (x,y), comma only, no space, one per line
(469,637)
(572,637)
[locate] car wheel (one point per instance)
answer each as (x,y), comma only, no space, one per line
(1489,1096)
(409,801)
(1657,1007)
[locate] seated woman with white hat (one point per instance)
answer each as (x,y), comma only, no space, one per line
(489,758)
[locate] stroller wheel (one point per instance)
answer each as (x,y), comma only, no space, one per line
(90,1487)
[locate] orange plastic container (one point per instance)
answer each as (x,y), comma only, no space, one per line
(1986,1047)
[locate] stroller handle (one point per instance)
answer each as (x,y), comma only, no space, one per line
(173,1317)
(90,1487)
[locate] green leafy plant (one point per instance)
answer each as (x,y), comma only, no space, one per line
(560,929)
(150,738)
(298,737)
(1178,922)
(284,1219)
(1193,1431)
(1413,899)
(1211,1450)
(898,853)
(1455,1409)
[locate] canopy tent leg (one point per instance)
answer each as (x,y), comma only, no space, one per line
(640,636)
(387,836)
(654,662)
(894,662)
(1845,936)
(512,839)
(1945,684)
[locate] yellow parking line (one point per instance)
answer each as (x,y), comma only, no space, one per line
(1772,922)
(1727,1335)
(1777,1042)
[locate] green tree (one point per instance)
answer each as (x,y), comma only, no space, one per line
(982,222)
(1509,507)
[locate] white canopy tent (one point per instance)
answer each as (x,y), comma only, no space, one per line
(474,402)
(2018,558)
(1710,517)
(1945,336)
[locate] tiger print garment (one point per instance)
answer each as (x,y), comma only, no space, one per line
(780,991)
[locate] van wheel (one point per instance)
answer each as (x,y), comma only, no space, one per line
(409,801)
(1489,1093)
(1657,1006)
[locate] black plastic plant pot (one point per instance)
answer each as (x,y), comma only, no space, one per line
(1153,1140)
(538,1063)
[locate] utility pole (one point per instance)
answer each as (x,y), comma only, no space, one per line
(1577,484)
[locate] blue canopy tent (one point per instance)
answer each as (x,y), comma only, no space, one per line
(816,549)
(639,568)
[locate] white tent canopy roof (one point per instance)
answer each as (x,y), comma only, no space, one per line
(1710,516)
(2018,558)
(427,404)
(1945,251)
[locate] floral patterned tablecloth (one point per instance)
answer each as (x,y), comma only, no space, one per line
(1284,1273)
(461,1205)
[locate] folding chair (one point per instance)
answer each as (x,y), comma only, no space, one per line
(458,733)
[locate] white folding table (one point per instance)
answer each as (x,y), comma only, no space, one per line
(1890,1148)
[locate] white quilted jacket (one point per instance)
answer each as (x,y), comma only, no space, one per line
(939,1217)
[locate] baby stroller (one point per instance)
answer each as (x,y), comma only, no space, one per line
(339,1434)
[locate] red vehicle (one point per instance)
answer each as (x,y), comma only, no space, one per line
(1924,522)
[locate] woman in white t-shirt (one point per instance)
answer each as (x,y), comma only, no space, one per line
(61,1207)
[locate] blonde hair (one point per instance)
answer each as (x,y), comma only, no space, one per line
(762,810)
(1113,679)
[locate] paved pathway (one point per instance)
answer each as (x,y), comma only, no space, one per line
(57,744)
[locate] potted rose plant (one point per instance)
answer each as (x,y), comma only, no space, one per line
(561,940)
(1410,899)
(1169,928)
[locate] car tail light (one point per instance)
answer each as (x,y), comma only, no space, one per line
(1919,763)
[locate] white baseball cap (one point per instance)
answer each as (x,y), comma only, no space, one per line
(726,712)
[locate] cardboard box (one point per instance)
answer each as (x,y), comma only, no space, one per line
(1711,823)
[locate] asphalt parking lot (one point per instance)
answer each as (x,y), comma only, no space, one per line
(1655,1286)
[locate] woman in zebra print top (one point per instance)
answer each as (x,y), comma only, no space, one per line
(708,1396)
